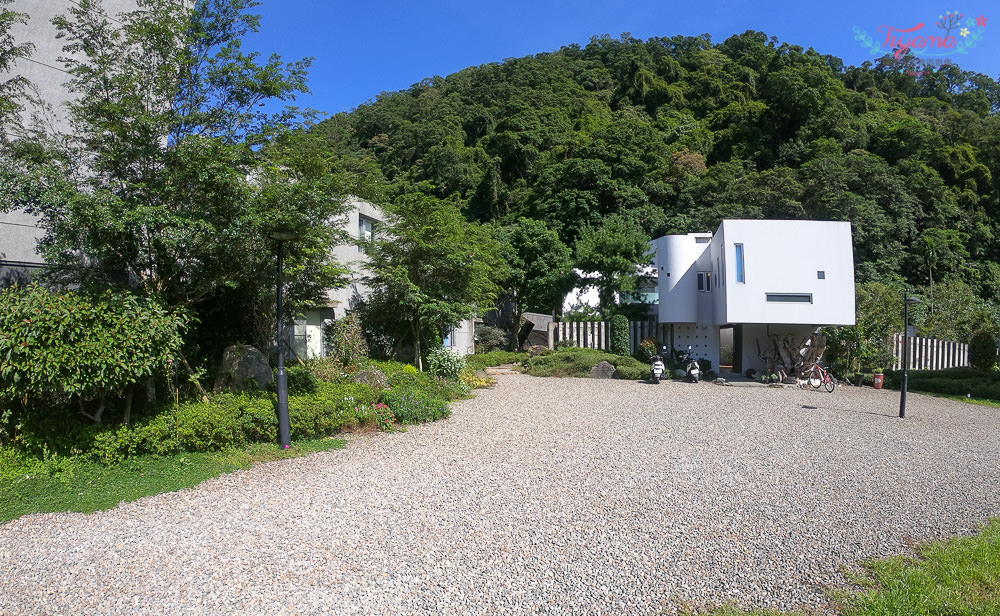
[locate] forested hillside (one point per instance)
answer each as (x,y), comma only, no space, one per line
(678,133)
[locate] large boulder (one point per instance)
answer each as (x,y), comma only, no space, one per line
(244,367)
(603,370)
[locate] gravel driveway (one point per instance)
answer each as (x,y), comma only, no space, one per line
(539,496)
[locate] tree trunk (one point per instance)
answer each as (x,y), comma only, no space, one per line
(416,344)
(194,379)
(128,402)
(515,328)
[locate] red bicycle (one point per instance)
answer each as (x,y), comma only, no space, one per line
(818,376)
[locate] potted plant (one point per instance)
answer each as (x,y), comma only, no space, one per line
(879,378)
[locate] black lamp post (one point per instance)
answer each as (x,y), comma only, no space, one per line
(907,300)
(284,425)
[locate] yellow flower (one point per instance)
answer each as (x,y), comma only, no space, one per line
(964,32)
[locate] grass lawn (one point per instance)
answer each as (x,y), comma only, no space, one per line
(72,484)
(979,401)
(957,577)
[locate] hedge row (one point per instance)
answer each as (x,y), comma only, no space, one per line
(954,381)
(233,420)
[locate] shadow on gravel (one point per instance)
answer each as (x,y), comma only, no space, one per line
(831,408)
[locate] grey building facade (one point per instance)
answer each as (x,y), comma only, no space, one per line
(19,232)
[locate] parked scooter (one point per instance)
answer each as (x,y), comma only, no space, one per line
(692,371)
(657,368)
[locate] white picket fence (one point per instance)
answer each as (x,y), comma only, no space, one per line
(586,334)
(596,334)
(930,353)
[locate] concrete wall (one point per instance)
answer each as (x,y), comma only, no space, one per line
(785,257)
(344,300)
(703,339)
(676,257)
(19,232)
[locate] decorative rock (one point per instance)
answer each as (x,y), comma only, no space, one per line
(603,370)
(536,350)
(244,367)
(720,381)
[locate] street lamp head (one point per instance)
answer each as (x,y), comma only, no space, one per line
(284,236)
(912,300)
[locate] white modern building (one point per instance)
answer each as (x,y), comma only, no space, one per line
(763,284)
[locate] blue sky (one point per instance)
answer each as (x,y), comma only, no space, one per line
(362,48)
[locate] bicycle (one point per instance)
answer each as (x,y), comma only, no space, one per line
(819,376)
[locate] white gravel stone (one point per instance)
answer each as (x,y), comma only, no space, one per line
(539,496)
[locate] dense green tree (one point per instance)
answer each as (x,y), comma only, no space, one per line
(611,257)
(540,269)
(678,133)
(867,345)
(430,269)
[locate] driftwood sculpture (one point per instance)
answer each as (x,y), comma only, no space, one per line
(786,356)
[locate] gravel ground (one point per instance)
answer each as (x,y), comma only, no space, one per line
(540,496)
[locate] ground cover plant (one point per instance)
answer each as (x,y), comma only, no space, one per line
(71,465)
(29,485)
(577,362)
(481,361)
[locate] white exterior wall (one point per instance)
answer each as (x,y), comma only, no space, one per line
(784,256)
(677,279)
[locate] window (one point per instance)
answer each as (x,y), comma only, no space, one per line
(702,240)
(366,232)
(740,274)
(793,298)
(821,275)
(705,282)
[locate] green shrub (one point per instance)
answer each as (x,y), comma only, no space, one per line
(565,344)
(329,409)
(571,362)
(63,347)
(646,349)
(619,335)
(494,358)
(445,363)
(301,380)
(629,368)
(983,350)
(577,362)
(410,406)
(329,369)
(346,340)
(490,339)
(953,381)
